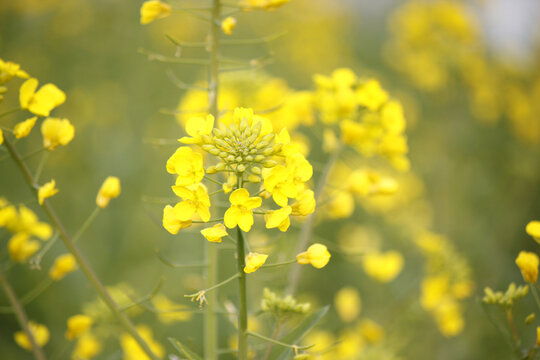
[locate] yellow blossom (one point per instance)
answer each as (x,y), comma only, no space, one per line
(78,325)
(278,218)
(214,233)
(21,247)
(9,70)
(1,137)
(348,303)
(533,229)
(434,291)
(197,127)
(278,181)
(449,318)
(27,222)
(170,312)
(46,191)
(240,213)
(340,205)
(262,4)
(87,347)
(40,102)
(538,336)
(392,117)
(187,164)
(300,169)
(371,95)
(254,261)
(316,255)
(23,128)
(383,267)
(109,190)
(56,132)
(228,24)
(171,222)
(371,331)
(528,264)
(153,10)
(304,204)
(196,201)
(132,350)
(63,265)
(40,333)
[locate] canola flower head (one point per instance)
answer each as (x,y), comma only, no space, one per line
(87,347)
(506,299)
(21,247)
(42,101)
(46,191)
(317,255)
(23,128)
(533,229)
(77,325)
(254,261)
(214,233)
(278,218)
(153,10)
(195,201)
(56,132)
(528,264)
(228,24)
(40,333)
(188,165)
(110,189)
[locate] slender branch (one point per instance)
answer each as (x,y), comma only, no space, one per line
(9,112)
(277,342)
(41,165)
(265,266)
(21,317)
(535,294)
(81,261)
(262,40)
(242,301)
(175,265)
(200,295)
(212,180)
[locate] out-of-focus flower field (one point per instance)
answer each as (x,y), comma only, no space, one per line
(269,179)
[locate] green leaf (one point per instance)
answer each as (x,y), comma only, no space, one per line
(297,334)
(184,350)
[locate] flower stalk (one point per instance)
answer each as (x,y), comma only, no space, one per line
(242,299)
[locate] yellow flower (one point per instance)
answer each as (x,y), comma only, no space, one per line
(528,264)
(46,191)
(254,261)
(132,350)
(63,265)
(533,229)
(371,95)
(8,70)
(43,101)
(23,128)
(197,127)
(28,223)
(109,190)
(56,132)
(301,170)
(449,318)
(171,222)
(434,291)
(371,331)
(78,325)
(228,24)
(153,10)
(21,247)
(341,205)
(383,267)
(278,218)
(304,204)
(87,347)
(214,233)
(170,312)
(316,255)
(352,132)
(196,201)
(538,336)
(187,165)
(348,303)
(262,4)
(1,137)
(279,183)
(240,211)
(40,332)
(392,117)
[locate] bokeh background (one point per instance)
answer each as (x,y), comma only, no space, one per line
(474,134)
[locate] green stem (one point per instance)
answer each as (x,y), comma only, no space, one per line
(21,317)
(535,294)
(41,164)
(265,266)
(204,291)
(86,224)
(242,299)
(265,338)
(9,112)
(81,261)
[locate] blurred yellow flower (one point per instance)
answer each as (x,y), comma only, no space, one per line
(170,312)
(528,264)
(1,137)
(262,4)
(304,204)
(316,255)
(371,95)
(87,347)
(132,350)
(383,267)
(348,303)
(9,70)
(23,128)
(449,318)
(278,218)
(43,101)
(371,331)
(153,10)
(46,191)
(278,181)
(171,222)
(340,205)
(197,127)
(240,213)
(228,24)
(195,201)
(110,189)
(40,333)
(533,229)
(214,233)
(254,261)
(56,132)
(78,325)
(63,265)
(21,247)
(538,336)
(187,164)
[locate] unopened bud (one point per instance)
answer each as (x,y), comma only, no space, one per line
(259,158)
(241,168)
(269,163)
(254,179)
(211,170)
(256,170)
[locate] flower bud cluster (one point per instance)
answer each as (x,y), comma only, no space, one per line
(279,306)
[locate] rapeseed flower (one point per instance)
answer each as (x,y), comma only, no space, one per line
(170,312)
(46,191)
(87,347)
(254,261)
(153,10)
(9,70)
(533,229)
(40,333)
(21,247)
(23,128)
(187,164)
(214,233)
(195,201)
(40,102)
(348,303)
(63,265)
(240,213)
(171,221)
(383,267)
(316,255)
(132,350)
(110,189)
(278,218)
(528,264)
(56,132)
(78,325)
(228,24)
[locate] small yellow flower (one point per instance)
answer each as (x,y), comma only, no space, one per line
(153,10)
(371,331)
(9,70)
(40,332)
(187,164)
(528,264)
(132,350)
(23,128)
(1,137)
(348,303)
(46,191)
(87,347)
(278,182)
(371,95)
(304,204)
(392,117)
(383,267)
(21,247)
(78,325)
(532,228)
(228,24)
(56,132)
(240,211)
(254,261)
(214,233)
(40,102)
(63,265)
(278,218)
(170,312)
(196,201)
(316,255)
(538,336)
(27,222)
(109,190)
(197,127)
(262,4)
(171,222)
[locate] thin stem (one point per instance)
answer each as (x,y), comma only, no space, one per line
(242,299)
(274,336)
(535,294)
(277,342)
(33,153)
(212,180)
(307,228)
(513,330)
(81,261)
(86,224)
(175,265)
(35,261)
(9,112)
(41,164)
(206,222)
(203,292)
(215,192)
(265,266)
(21,317)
